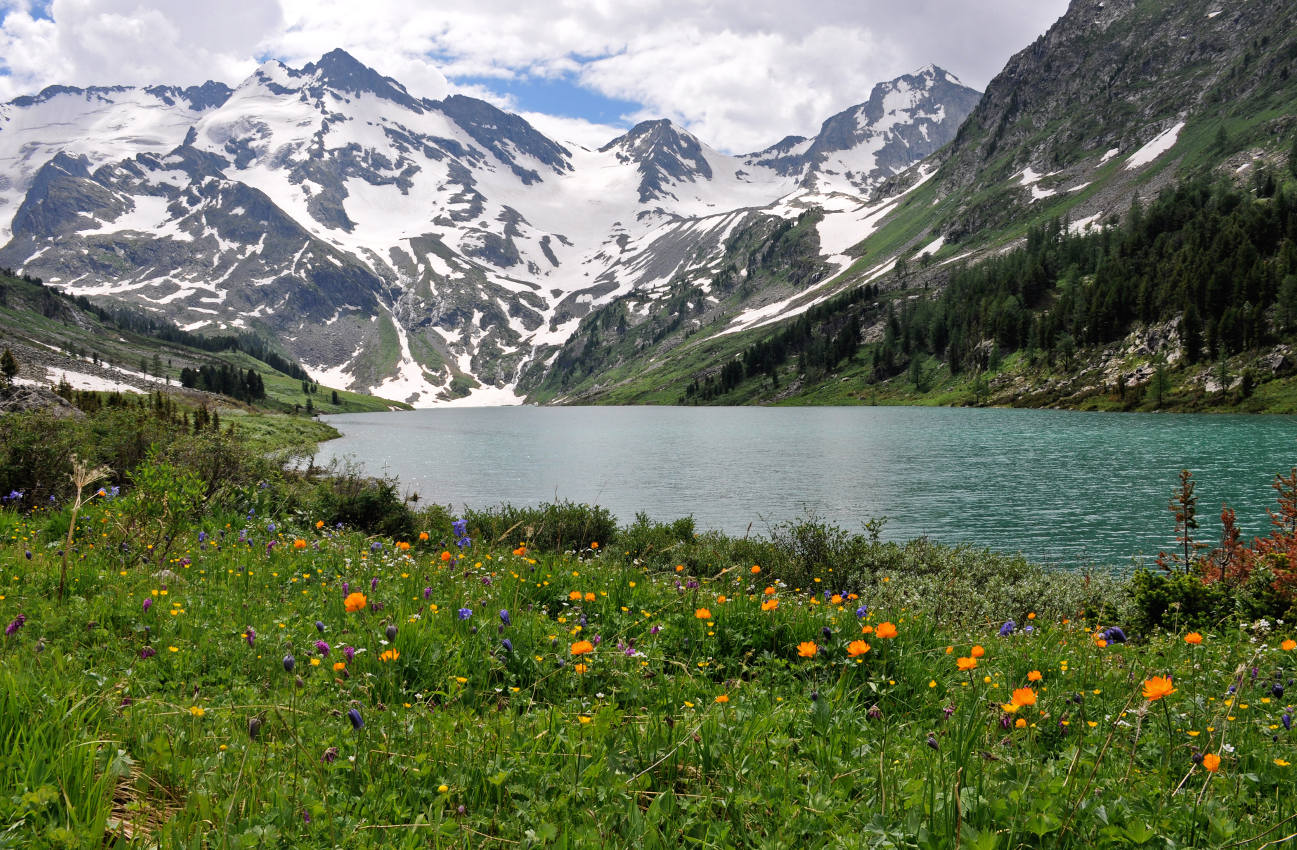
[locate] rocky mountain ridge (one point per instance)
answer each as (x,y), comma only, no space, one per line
(424,250)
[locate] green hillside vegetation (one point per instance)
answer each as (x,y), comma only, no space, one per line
(45,328)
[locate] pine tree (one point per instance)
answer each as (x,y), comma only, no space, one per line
(8,367)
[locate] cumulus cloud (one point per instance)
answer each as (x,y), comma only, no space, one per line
(739,73)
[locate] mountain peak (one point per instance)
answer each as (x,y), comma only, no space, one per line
(342,72)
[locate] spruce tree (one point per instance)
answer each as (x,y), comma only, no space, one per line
(8,367)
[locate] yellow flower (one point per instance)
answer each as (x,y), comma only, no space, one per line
(389,655)
(196,710)
(1281,762)
(442,789)
(1157,687)
(583,718)
(580,668)
(315,662)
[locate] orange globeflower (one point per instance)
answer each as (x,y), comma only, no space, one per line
(423,537)
(594,545)
(389,655)
(589,597)
(836,599)
(582,647)
(866,630)
(1035,676)
(1024,696)
(885,630)
(1020,723)
(403,546)
(703,614)
(769,591)
(339,666)
(1193,638)
(446,556)
(1211,762)
(807,649)
(857,647)
(355,602)
(575,596)
(579,668)
(977,652)
(299,543)
(1158,687)
(770,605)
(319,523)
(966,663)
(1288,645)
(755,569)
(722,698)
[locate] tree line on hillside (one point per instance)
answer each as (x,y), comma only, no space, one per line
(51,301)
(226,380)
(1221,259)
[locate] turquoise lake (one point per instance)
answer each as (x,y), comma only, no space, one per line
(1059,486)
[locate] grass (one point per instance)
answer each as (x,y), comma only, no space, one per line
(719,703)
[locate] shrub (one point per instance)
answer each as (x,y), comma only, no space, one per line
(554,526)
(371,505)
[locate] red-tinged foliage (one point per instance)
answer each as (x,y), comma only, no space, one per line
(1235,562)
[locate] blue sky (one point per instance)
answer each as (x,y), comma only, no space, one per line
(741,74)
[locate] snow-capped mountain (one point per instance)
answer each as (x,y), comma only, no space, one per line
(423,250)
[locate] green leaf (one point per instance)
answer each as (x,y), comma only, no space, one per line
(1140,832)
(1042,823)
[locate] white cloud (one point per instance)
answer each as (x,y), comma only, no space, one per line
(577,131)
(739,73)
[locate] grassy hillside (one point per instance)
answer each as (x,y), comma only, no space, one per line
(52,335)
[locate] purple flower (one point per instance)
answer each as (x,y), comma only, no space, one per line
(861,612)
(289,663)
(349,652)
(1286,720)
(1114,634)
(692,584)
(330,755)
(427,593)
(373,583)
(460,527)
(391,632)
(319,625)
(504,617)
(596,640)
(507,644)
(1007,628)
(375,546)
(656,628)
(250,635)
(148,652)
(1276,690)
(148,603)
(270,527)
(357,722)
(202,537)
(828,633)
(322,648)
(346,588)
(464,613)
(932,741)
(15,625)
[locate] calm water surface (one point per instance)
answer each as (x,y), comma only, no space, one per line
(1060,486)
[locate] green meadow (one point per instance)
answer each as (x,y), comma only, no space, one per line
(229,655)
